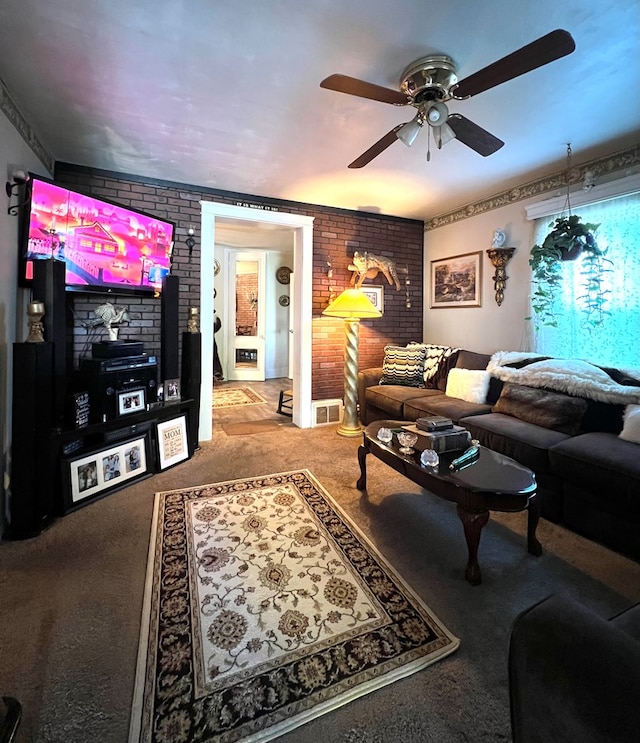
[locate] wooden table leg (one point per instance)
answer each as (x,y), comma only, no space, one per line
(473,523)
(533,516)
(362,461)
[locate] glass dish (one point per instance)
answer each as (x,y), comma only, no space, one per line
(407,440)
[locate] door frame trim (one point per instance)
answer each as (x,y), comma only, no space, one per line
(302,292)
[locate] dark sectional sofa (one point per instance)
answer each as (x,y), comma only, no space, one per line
(588,477)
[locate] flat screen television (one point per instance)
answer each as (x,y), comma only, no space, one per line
(106,247)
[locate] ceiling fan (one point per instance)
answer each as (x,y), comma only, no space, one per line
(429,82)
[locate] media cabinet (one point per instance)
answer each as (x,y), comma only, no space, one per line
(59,465)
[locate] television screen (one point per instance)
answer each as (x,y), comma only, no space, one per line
(105,247)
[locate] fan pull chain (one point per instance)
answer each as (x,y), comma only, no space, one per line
(567,203)
(428,144)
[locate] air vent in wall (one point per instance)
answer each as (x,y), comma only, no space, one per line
(326,412)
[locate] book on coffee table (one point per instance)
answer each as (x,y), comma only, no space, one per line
(453,439)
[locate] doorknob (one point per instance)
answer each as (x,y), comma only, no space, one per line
(291,331)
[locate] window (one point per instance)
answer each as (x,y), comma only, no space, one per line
(617,341)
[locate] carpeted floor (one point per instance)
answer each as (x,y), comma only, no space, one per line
(246,428)
(72,598)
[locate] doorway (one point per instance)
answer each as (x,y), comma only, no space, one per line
(301,299)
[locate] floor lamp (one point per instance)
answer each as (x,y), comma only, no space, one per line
(352,305)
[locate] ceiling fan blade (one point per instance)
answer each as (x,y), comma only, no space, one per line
(546,49)
(474,136)
(376,149)
(353,86)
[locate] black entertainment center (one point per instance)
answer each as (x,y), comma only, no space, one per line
(82,431)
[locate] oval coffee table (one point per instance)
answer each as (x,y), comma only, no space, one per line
(493,482)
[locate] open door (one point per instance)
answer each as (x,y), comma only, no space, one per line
(247,318)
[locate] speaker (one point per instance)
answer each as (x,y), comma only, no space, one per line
(49,287)
(190,380)
(33,464)
(169,334)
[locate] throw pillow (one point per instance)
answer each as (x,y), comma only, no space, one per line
(471,385)
(404,366)
(631,428)
(553,410)
(436,357)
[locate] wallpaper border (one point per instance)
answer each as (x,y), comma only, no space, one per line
(600,166)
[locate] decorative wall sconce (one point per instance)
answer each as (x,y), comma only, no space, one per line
(499,257)
(13,186)
(190,241)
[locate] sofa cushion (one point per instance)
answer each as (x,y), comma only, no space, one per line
(543,408)
(390,398)
(403,366)
(441,404)
(437,358)
(631,427)
(472,360)
(606,467)
(471,385)
(525,442)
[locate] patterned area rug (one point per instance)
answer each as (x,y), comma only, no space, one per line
(265,608)
(228,397)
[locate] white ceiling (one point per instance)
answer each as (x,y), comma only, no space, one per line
(225,93)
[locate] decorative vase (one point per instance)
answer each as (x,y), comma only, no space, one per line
(35,313)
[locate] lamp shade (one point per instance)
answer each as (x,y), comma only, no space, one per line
(352,303)
(408,132)
(437,114)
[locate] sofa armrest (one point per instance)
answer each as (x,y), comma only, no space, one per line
(573,676)
(367,378)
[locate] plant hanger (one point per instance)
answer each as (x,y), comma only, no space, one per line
(568,239)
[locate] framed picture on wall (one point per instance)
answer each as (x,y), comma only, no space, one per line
(456,281)
(375,295)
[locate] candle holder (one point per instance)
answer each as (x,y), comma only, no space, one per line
(35,313)
(499,257)
(192,322)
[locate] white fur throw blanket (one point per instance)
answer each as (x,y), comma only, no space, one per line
(573,376)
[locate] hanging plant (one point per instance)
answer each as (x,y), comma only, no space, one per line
(568,239)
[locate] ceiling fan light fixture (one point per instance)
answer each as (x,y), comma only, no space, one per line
(437,114)
(443,134)
(408,132)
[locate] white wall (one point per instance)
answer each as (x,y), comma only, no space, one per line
(277,340)
(487,328)
(14,153)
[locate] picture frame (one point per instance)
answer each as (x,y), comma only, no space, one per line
(131,401)
(171,389)
(92,474)
(375,295)
(173,445)
(456,281)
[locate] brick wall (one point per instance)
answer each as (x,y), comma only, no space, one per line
(337,234)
